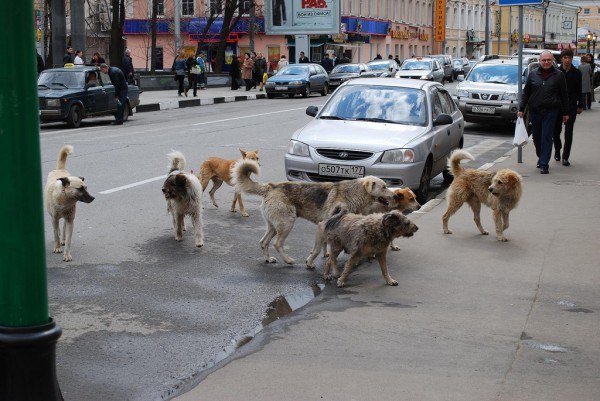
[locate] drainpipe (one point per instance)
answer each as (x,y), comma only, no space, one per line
(27,335)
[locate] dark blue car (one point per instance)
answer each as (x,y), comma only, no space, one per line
(71,94)
(302,79)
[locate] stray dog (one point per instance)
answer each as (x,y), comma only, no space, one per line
(499,190)
(62,193)
(184,197)
(219,170)
(361,237)
(284,202)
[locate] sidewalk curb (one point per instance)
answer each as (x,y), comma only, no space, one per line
(179,104)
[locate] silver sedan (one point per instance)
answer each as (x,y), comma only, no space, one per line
(400,130)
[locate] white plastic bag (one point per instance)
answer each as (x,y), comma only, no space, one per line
(521,138)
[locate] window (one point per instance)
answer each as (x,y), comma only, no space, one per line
(245,7)
(160,6)
(215,7)
(187,8)
(586,10)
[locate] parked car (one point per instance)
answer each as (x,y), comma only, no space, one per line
(300,79)
(384,68)
(344,72)
(460,66)
(490,92)
(445,61)
(401,130)
(421,68)
(73,93)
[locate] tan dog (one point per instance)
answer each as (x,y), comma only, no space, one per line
(364,236)
(499,190)
(184,198)
(62,193)
(219,170)
(284,202)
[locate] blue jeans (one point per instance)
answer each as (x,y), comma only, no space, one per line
(542,127)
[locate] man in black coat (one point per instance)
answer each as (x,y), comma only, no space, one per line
(127,67)
(303,58)
(68,57)
(117,78)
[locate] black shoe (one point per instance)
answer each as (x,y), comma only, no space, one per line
(544,170)
(538,165)
(557,155)
(566,162)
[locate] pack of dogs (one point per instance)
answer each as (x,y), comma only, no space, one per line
(361,216)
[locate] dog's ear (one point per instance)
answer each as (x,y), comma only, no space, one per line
(65,181)
(180,180)
(368,184)
(399,196)
(82,179)
(388,222)
(243,153)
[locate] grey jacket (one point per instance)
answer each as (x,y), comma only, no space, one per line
(543,95)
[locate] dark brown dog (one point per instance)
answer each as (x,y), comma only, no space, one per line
(363,236)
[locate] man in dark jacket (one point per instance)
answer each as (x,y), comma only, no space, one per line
(117,78)
(127,67)
(303,58)
(573,77)
(545,95)
(327,63)
(68,57)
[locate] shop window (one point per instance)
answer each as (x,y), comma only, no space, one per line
(187,8)
(273,56)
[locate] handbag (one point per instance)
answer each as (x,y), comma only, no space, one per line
(265,77)
(521,138)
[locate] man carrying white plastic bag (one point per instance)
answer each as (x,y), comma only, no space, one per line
(521,137)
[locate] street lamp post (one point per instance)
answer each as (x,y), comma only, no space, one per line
(589,40)
(594,38)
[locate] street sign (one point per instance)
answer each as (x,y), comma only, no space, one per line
(519,2)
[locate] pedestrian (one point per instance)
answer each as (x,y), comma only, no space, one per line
(586,84)
(179,66)
(255,77)
(260,69)
(68,57)
(127,67)
(117,78)
(334,60)
(573,78)
(378,57)
(545,95)
(97,60)
(78,60)
(282,62)
(235,73)
(40,63)
(303,58)
(397,60)
(344,59)
(247,66)
(202,66)
(193,70)
(327,64)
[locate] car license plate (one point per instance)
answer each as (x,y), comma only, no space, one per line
(281,88)
(484,110)
(341,171)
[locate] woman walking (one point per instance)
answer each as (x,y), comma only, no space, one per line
(247,71)
(234,73)
(586,81)
(260,68)
(179,66)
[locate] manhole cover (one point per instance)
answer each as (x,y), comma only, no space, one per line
(580,183)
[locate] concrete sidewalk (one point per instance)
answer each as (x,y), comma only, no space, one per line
(471,319)
(169,99)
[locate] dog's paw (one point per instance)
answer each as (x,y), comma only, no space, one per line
(391,282)
(245,214)
(310,264)
(62,242)
(340,283)
(289,260)
(67,257)
(502,238)
(178,239)
(327,277)
(57,249)
(484,232)
(271,259)
(447,232)
(394,247)
(217,206)
(200,244)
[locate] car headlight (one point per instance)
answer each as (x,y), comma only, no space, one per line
(398,156)
(53,102)
(296,83)
(298,148)
(426,77)
(462,93)
(509,96)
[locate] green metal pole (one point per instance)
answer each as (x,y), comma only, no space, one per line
(27,335)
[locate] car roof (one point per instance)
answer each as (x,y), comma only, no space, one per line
(78,68)
(428,58)
(398,82)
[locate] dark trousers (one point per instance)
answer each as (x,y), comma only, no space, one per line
(568,134)
(587,100)
(180,79)
(234,83)
(542,131)
(249,83)
(192,78)
(122,97)
(202,80)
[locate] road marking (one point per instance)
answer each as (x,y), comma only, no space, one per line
(135,184)
(253,115)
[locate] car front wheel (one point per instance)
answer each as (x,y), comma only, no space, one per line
(325,90)
(74,117)
(306,92)
(423,191)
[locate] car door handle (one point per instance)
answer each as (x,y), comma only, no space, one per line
(448,132)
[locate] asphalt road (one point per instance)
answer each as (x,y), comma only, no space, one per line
(141,314)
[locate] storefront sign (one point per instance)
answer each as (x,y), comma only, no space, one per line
(440,20)
(290,17)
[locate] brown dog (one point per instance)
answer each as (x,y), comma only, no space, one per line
(63,191)
(184,198)
(219,170)
(364,236)
(499,190)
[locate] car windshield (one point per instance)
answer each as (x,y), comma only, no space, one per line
(293,70)
(416,65)
(377,103)
(62,79)
(497,73)
(346,68)
(379,66)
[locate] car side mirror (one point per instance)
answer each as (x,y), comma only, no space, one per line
(312,111)
(442,119)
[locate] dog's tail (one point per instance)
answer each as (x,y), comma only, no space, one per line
(240,176)
(177,161)
(454,161)
(65,151)
(335,219)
